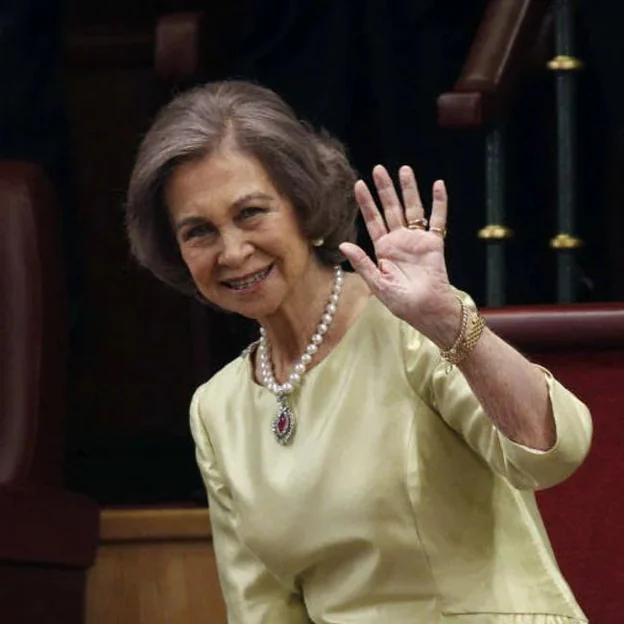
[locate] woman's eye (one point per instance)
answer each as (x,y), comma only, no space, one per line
(196,232)
(247,213)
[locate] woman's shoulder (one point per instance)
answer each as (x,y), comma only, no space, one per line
(226,382)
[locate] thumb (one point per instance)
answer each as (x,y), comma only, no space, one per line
(362,264)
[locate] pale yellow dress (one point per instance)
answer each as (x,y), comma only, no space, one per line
(397,501)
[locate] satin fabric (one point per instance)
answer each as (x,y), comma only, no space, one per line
(397,500)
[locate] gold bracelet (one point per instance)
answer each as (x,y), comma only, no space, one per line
(463,325)
(468,337)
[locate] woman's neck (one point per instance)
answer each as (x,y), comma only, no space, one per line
(290,329)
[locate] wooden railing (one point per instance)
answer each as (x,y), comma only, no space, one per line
(581,326)
(501,51)
(510,40)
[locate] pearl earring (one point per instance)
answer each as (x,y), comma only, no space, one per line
(318,242)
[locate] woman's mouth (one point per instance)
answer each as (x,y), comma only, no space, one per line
(249,281)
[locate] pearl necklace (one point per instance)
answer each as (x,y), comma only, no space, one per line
(283,424)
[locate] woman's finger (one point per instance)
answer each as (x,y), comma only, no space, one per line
(439,210)
(374,222)
(411,197)
(393,210)
(362,264)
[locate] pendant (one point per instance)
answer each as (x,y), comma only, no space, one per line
(283,425)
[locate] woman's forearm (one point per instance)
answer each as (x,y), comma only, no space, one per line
(512,391)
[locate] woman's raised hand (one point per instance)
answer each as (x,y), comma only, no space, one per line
(410,275)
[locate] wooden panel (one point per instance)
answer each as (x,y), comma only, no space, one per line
(155,567)
(155,583)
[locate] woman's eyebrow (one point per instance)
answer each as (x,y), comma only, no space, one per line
(250,197)
(188,221)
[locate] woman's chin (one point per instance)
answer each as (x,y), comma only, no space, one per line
(254,310)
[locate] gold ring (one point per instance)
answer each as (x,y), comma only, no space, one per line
(418,224)
(437,230)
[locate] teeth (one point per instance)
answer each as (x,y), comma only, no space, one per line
(241,285)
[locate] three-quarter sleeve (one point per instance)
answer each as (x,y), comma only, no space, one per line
(252,594)
(450,395)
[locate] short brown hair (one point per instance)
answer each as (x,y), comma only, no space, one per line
(309,168)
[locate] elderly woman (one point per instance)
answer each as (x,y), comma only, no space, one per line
(373,457)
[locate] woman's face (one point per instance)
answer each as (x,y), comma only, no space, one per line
(238,236)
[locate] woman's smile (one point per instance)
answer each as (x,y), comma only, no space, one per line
(249,283)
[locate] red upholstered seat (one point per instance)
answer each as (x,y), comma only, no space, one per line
(47,536)
(584,347)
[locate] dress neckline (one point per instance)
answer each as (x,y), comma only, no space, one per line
(340,346)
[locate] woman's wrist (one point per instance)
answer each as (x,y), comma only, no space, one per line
(472,327)
(442,325)
(454,328)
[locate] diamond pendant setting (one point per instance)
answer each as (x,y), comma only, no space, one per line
(283,424)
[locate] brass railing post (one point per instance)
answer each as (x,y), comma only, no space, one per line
(565,66)
(495,232)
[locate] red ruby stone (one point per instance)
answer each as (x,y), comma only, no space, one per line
(282,424)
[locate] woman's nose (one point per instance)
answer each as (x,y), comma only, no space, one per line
(235,248)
